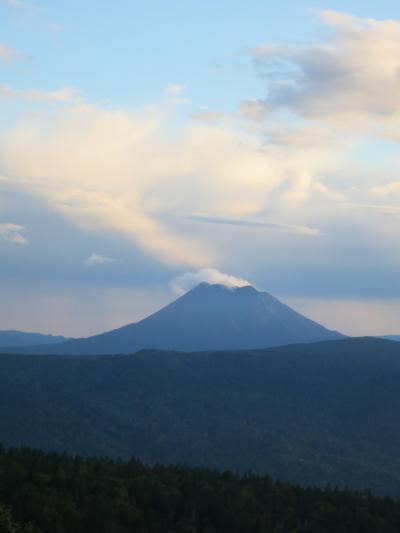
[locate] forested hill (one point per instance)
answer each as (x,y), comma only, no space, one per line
(313,414)
(51,493)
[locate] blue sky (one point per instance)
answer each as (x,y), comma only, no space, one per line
(129,51)
(141,141)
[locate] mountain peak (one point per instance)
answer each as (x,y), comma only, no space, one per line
(220,289)
(215,287)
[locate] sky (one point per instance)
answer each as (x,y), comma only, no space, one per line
(145,144)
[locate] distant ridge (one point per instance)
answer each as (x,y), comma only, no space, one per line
(208,317)
(391,337)
(21,338)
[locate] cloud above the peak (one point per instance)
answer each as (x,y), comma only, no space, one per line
(188,280)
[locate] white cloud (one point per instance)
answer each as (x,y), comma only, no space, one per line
(322,189)
(94,166)
(96,259)
(187,281)
(351,80)
(12,233)
(64,95)
(340,94)
(118,171)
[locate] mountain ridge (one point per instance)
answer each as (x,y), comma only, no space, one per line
(13,337)
(395,338)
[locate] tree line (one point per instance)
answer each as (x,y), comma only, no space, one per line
(60,493)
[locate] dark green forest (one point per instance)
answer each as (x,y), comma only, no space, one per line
(60,493)
(308,414)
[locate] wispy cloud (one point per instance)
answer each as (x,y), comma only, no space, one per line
(210,219)
(378,208)
(97,259)
(63,95)
(12,233)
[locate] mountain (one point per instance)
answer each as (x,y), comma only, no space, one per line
(391,337)
(19,338)
(209,317)
(311,413)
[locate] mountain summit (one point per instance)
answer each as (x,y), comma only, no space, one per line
(208,317)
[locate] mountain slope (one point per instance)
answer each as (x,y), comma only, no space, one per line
(20,338)
(209,317)
(319,413)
